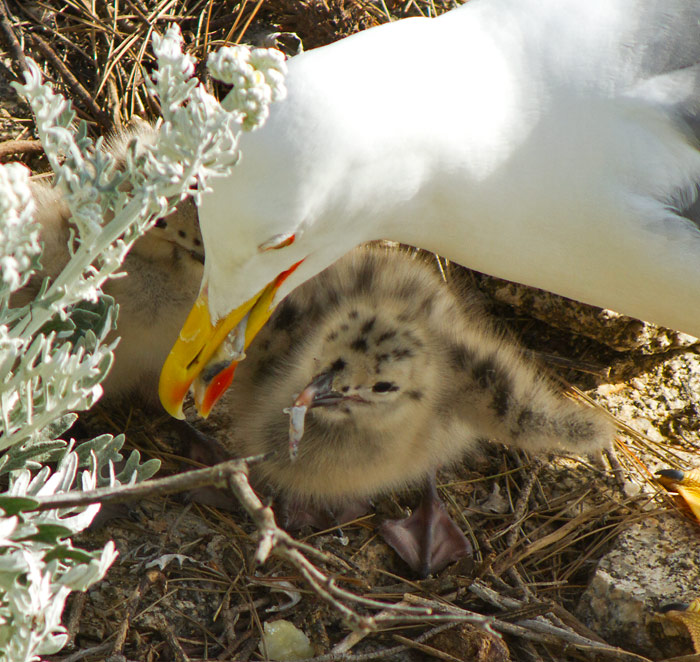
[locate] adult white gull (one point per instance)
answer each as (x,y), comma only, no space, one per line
(549,142)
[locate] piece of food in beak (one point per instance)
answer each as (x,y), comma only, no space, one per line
(318,393)
(297,417)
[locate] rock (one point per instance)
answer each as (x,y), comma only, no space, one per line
(612,329)
(654,563)
(471,644)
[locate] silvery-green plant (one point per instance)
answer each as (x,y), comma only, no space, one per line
(53,353)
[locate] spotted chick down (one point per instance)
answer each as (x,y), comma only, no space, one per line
(163,273)
(401,374)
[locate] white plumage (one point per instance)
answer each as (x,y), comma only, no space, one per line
(549,142)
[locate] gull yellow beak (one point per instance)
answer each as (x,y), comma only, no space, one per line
(200,340)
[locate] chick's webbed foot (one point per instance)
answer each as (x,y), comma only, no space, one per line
(428,540)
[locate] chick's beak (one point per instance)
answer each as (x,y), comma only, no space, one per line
(319,392)
(208,353)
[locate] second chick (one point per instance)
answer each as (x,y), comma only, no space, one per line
(163,271)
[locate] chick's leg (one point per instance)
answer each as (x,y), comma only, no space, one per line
(427,540)
(297,513)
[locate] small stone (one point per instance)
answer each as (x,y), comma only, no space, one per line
(283,640)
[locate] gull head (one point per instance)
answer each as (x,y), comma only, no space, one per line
(227,315)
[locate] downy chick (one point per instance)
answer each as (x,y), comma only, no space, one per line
(401,374)
(164,270)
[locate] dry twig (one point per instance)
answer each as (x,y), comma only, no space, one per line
(20,147)
(10,38)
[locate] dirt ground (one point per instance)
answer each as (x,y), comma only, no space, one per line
(185,586)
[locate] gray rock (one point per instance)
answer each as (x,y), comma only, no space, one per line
(612,329)
(654,563)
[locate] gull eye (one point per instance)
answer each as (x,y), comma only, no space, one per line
(277,242)
(384,387)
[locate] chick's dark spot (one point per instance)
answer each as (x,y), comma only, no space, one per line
(161,223)
(264,370)
(529,420)
(197,242)
(359,344)
(286,317)
(488,375)
(338,365)
(332,336)
(353,314)
(460,357)
(345,389)
(365,278)
(387,335)
(501,399)
(332,298)
(182,233)
(367,326)
(408,290)
(577,429)
(415,394)
(379,359)
(524,417)
(481,372)
(399,354)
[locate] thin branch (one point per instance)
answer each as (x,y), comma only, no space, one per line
(519,512)
(167,632)
(10,147)
(216,476)
(10,37)
(94,652)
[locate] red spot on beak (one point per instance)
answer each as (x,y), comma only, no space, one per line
(286,274)
(217,388)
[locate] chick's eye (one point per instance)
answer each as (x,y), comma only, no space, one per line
(384,387)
